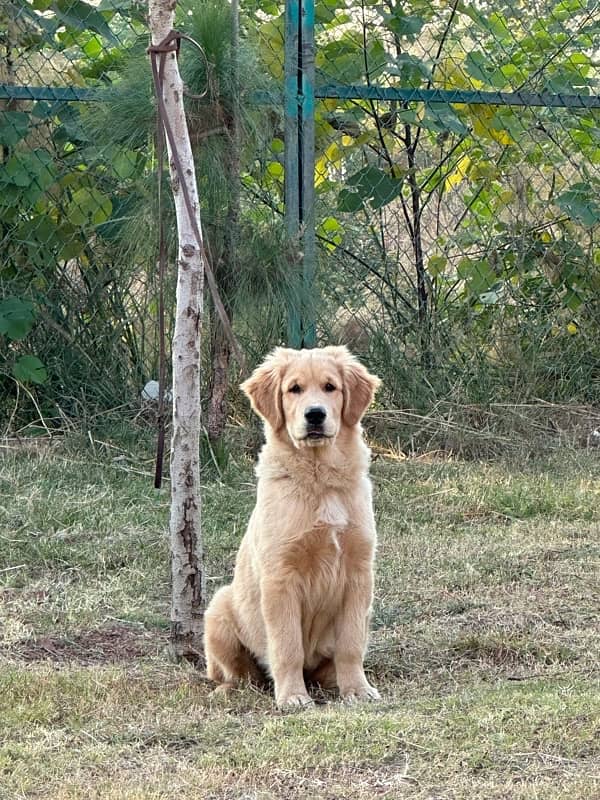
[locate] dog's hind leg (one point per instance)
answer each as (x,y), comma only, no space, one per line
(228,662)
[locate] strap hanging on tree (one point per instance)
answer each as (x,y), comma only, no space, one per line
(162,268)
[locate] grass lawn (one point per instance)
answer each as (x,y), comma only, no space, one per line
(485,642)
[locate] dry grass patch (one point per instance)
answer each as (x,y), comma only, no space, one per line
(485,642)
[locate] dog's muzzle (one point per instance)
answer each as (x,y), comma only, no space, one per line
(315,417)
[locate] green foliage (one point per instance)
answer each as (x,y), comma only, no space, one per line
(17,318)
(580,202)
(371,185)
(60,203)
(460,239)
(78,194)
(30,369)
(465,235)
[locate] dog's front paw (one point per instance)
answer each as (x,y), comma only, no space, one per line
(356,694)
(294,701)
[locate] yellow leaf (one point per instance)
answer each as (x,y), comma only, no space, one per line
(321,167)
(458,175)
(452,74)
(333,154)
(501,136)
(572,328)
(275,169)
(332,157)
(271,46)
(483,169)
(482,117)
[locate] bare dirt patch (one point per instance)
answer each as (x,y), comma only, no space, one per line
(109,645)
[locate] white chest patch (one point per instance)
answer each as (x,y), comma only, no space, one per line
(335,540)
(332,512)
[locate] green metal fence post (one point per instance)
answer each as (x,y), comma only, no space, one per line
(307,156)
(291,154)
(299,103)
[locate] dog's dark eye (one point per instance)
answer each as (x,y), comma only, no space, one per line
(329,387)
(295,389)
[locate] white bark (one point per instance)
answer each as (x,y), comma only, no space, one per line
(188,581)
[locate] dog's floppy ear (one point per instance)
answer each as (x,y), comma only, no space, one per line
(359,386)
(263,388)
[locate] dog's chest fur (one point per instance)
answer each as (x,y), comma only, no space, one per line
(331,512)
(320,536)
(323,488)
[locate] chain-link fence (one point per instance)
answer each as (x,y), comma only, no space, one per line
(78,196)
(73,187)
(445,158)
(457,186)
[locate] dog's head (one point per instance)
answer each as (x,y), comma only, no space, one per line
(311,394)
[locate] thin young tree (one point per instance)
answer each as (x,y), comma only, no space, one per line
(188,580)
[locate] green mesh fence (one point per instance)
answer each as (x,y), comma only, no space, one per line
(78,211)
(456,189)
(68,194)
(457,182)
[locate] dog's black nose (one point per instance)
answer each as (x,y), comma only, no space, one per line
(315,415)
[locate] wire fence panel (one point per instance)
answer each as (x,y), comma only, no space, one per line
(69,196)
(78,195)
(458,183)
(456,192)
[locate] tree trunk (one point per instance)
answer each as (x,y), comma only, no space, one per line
(417,243)
(216,416)
(8,69)
(188,579)
(220,345)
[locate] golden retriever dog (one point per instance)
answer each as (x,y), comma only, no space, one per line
(300,600)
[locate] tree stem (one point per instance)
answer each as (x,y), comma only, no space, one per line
(188,579)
